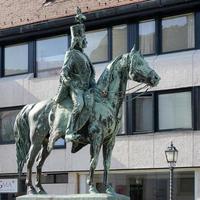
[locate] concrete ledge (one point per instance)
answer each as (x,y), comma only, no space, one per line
(74,197)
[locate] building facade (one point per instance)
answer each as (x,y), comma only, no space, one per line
(34,36)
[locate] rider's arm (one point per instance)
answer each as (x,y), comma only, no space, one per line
(92,80)
(66,70)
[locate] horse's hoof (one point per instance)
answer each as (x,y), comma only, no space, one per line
(49,148)
(93,190)
(40,189)
(110,190)
(31,190)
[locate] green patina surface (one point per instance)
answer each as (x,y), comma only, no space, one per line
(83,112)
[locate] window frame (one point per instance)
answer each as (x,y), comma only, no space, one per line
(174,16)
(132,121)
(54,177)
(33,53)
(2,59)
(132,37)
(130,113)
(60,146)
(110,43)
(109,39)
(173,91)
(9,109)
(155,35)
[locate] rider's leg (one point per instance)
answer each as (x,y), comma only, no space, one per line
(78,103)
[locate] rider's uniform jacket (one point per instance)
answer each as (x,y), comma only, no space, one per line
(77,73)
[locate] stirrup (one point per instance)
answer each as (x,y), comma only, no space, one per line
(72,137)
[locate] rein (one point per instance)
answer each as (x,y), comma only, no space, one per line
(135,97)
(144,87)
(121,93)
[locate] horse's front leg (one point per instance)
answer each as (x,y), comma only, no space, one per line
(107,152)
(94,153)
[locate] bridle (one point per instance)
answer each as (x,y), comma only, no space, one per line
(121,94)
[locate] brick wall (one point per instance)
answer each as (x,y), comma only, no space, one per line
(20,12)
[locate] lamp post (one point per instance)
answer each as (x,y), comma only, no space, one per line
(171,156)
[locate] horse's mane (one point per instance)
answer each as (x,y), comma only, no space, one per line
(106,76)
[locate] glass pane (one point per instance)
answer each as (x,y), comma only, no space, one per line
(144,113)
(50,53)
(175,110)
(97,47)
(119,36)
(16,59)
(61,178)
(147,37)
(122,129)
(48,178)
(59,142)
(7,119)
(178,33)
(150,186)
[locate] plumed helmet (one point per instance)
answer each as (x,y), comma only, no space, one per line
(78,30)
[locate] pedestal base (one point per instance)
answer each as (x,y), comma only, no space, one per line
(74,197)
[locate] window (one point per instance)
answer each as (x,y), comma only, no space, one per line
(7,196)
(97,47)
(178,33)
(174,111)
(50,54)
(7,119)
(143,113)
(149,185)
(16,59)
(147,37)
(60,143)
(54,178)
(122,129)
(161,111)
(119,43)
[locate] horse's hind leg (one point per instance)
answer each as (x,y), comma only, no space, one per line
(33,151)
(107,152)
(54,135)
(94,152)
(43,154)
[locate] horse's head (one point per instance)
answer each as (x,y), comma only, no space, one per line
(140,71)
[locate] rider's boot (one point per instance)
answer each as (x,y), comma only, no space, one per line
(71,132)
(71,135)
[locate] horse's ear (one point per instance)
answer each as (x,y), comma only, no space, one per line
(133,49)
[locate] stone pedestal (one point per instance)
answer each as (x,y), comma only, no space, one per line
(74,197)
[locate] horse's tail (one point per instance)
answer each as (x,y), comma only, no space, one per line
(21,131)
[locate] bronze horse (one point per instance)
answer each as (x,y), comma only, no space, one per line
(36,130)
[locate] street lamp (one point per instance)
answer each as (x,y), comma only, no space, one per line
(171,156)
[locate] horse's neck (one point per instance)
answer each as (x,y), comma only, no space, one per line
(117,90)
(114,81)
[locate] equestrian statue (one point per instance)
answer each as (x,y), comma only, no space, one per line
(83,112)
